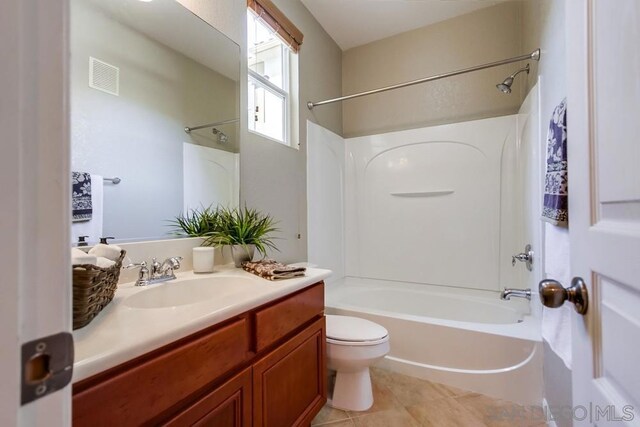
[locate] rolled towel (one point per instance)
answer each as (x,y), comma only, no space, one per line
(103,262)
(111,252)
(79,257)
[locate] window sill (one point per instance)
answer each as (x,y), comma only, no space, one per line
(284,144)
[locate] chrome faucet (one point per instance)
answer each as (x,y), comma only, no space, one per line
(160,272)
(507,293)
(166,268)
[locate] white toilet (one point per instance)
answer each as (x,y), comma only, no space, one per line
(353,344)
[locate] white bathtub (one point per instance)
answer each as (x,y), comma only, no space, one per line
(464,338)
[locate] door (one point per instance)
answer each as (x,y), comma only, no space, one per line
(35,291)
(227,406)
(604,206)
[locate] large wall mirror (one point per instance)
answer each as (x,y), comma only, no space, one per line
(142,72)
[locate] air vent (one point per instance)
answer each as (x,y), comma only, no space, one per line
(104,77)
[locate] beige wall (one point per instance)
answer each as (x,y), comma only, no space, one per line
(272,176)
(225,15)
(486,35)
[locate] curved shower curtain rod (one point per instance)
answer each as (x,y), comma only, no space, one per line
(535,55)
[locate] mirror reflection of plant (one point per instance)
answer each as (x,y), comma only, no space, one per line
(244,227)
(199,222)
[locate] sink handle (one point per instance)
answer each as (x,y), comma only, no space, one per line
(143,275)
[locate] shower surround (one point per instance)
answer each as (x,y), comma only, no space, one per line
(419,227)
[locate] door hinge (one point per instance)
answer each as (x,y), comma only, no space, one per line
(47,366)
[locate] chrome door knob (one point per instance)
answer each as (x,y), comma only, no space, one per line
(553,294)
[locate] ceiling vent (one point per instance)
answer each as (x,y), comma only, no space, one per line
(104,77)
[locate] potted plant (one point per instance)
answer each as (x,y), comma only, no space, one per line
(199,223)
(196,222)
(244,230)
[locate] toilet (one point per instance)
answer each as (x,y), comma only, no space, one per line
(353,344)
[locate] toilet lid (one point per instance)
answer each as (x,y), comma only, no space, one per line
(353,329)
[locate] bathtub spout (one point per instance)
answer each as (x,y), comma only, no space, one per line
(507,293)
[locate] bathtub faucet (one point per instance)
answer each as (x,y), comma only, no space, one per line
(519,293)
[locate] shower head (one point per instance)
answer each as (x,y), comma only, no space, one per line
(505,86)
(223,138)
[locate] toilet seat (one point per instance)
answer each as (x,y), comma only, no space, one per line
(354,331)
(357,343)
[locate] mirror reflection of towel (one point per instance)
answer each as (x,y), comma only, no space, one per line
(92,227)
(81,206)
(272,270)
(556,192)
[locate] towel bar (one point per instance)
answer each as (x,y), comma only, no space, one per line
(424,193)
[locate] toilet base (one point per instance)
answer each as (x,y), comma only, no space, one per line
(352,391)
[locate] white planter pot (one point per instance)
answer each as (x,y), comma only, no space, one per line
(242,253)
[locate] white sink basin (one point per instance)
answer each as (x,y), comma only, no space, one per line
(190,291)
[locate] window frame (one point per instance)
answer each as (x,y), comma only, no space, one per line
(284,94)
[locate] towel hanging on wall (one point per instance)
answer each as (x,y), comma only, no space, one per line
(93,226)
(556,196)
(82,207)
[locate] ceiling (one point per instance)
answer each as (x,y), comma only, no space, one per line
(353,23)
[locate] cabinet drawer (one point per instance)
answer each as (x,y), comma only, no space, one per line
(144,388)
(277,320)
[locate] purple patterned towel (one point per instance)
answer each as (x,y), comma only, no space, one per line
(556,196)
(81,206)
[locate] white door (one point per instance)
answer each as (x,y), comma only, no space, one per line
(34,200)
(603,45)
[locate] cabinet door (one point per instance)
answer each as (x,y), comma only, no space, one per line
(139,391)
(227,406)
(289,383)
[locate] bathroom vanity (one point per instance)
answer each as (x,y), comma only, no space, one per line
(257,366)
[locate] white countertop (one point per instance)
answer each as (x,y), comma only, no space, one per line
(121,333)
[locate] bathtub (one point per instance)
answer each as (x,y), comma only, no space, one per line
(460,337)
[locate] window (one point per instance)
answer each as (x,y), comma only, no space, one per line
(272,69)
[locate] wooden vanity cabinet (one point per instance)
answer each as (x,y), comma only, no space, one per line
(265,367)
(227,405)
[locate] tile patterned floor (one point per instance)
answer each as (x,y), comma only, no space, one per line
(401,401)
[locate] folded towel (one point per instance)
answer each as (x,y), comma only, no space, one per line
(111,252)
(556,195)
(79,257)
(272,270)
(103,262)
(81,207)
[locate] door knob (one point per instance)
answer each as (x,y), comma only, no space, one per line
(553,294)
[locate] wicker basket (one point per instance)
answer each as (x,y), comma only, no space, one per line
(93,289)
